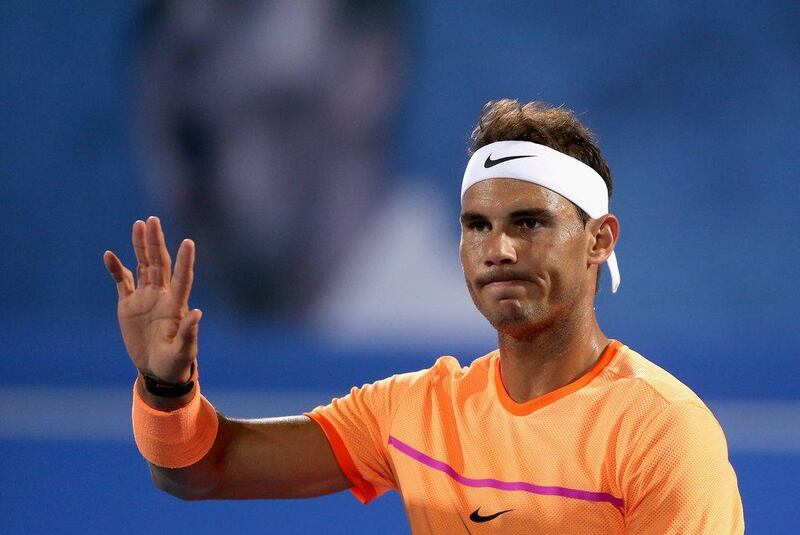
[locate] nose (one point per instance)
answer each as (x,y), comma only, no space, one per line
(500,250)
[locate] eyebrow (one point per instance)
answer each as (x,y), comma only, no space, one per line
(468,217)
(544,213)
(532,212)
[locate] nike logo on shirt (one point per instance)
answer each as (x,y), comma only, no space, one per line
(477,517)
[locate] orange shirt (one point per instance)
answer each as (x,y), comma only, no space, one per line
(626,448)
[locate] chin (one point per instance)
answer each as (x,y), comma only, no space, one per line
(514,319)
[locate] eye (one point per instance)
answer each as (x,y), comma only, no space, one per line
(529,223)
(478,226)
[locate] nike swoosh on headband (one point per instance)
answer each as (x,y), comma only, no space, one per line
(491,163)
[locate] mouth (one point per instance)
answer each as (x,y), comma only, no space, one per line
(503,279)
(505,283)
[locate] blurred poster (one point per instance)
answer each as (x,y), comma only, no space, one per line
(266,128)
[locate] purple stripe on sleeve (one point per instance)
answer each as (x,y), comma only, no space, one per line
(503,485)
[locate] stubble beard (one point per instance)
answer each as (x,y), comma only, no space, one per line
(522,321)
(518,320)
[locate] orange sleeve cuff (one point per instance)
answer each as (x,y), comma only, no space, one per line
(174,439)
(362,489)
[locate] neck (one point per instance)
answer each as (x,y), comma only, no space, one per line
(534,365)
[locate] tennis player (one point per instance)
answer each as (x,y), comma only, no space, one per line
(561,430)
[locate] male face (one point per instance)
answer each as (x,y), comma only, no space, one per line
(524,251)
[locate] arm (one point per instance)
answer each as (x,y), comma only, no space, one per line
(272,458)
(679,479)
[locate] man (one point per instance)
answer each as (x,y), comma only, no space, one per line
(560,430)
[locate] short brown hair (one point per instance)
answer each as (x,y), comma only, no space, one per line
(555,127)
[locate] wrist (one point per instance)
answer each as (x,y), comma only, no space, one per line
(171,378)
(174,438)
(168,389)
(167,396)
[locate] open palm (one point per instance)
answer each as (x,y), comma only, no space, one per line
(159,330)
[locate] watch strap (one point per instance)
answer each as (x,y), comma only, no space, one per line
(168,390)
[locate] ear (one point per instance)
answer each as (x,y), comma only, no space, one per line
(605,233)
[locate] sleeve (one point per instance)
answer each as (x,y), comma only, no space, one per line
(680,480)
(357,428)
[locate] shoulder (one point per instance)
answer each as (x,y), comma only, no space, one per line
(446,374)
(648,405)
(647,380)
(676,476)
(663,418)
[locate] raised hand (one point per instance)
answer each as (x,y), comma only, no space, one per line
(159,330)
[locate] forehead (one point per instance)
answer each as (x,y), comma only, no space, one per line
(498,196)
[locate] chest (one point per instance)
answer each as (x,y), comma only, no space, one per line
(468,470)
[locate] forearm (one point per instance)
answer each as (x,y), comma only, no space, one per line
(270,458)
(198,481)
(287,457)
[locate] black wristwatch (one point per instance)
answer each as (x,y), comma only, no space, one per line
(166,390)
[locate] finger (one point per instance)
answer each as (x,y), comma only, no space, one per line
(137,236)
(187,333)
(157,254)
(121,275)
(183,277)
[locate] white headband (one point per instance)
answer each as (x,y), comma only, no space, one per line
(546,167)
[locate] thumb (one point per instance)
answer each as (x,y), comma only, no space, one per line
(187,333)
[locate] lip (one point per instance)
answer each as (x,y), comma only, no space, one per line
(505,283)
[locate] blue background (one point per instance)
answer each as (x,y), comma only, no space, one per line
(696,109)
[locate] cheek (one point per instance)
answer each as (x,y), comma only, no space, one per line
(469,254)
(558,258)
(569,259)
(469,262)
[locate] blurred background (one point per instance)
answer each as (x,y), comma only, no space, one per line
(314,151)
